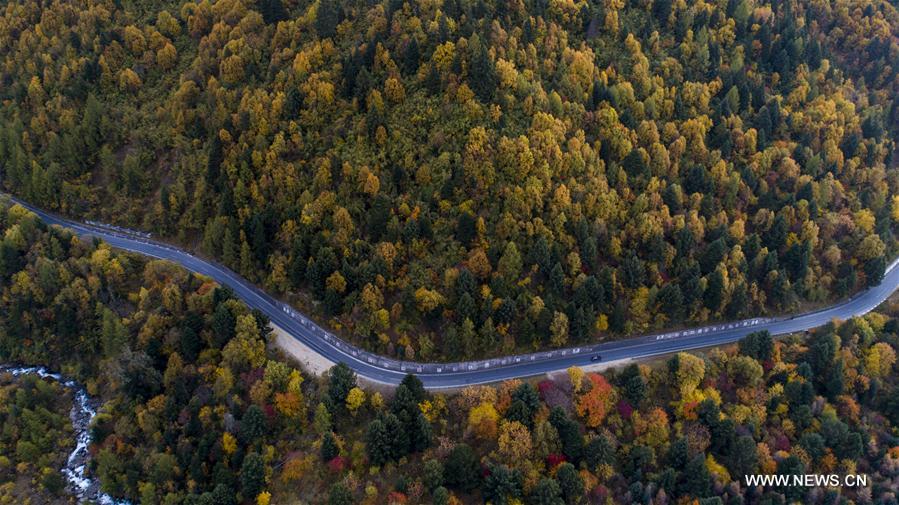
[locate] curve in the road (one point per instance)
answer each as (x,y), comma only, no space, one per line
(454,375)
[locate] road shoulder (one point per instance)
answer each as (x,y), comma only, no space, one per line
(309,360)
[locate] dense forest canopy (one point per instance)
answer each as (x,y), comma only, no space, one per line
(197,411)
(458,178)
(35,437)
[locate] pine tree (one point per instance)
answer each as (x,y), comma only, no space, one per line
(411,57)
(462,469)
(633,385)
(252,475)
(570,482)
(874,271)
(386,440)
(252,425)
(416,428)
(326,18)
(341,380)
(547,492)
(661,10)
(329,449)
(272,11)
(482,77)
(223,322)
(502,485)
(695,479)
(714,291)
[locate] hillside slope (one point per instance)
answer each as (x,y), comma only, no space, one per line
(454,179)
(195,410)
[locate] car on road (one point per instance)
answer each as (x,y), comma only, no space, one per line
(596,357)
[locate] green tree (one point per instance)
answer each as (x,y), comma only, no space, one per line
(714,291)
(414,386)
(252,475)
(569,434)
(340,495)
(432,474)
(758,345)
(411,57)
(462,469)
(341,380)
(599,451)
(272,11)
(441,496)
(252,425)
(791,465)
(416,429)
(510,263)
(632,384)
(502,485)
(385,439)
(525,404)
(571,483)
(327,16)
(695,480)
(223,322)
(546,492)
(329,449)
(482,73)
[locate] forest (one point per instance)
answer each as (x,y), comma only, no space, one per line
(440,180)
(35,436)
(199,409)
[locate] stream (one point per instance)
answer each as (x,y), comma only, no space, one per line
(86,489)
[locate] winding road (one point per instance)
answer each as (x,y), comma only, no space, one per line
(453,375)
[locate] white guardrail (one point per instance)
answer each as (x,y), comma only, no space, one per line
(708,329)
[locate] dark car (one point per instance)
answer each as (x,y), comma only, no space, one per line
(596,357)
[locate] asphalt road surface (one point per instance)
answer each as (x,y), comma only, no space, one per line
(453,375)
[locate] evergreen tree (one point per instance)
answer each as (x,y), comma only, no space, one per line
(482,77)
(340,495)
(416,429)
(415,387)
(340,381)
(386,439)
(252,425)
(758,345)
(327,17)
(695,480)
(671,301)
(714,291)
(569,434)
(632,384)
(252,475)
(411,57)
(571,483)
(525,403)
(462,469)
(661,10)
(502,485)
(599,451)
(874,271)
(791,465)
(329,449)
(546,492)
(222,326)
(272,11)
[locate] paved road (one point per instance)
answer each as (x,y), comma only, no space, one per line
(452,375)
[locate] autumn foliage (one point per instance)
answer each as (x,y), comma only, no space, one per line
(477,177)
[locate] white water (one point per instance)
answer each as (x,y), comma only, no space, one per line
(83,487)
